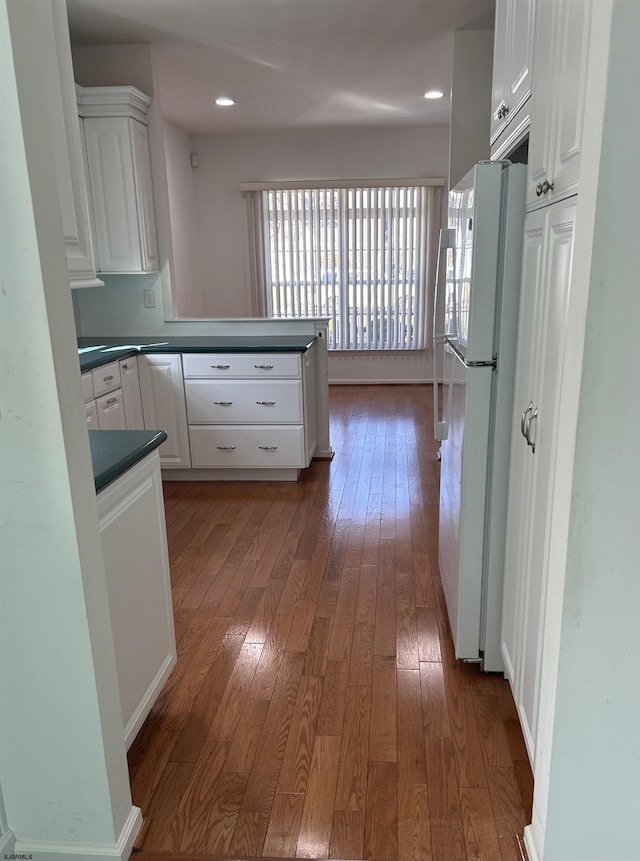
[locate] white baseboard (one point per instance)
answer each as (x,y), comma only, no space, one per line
(385,382)
(7,843)
(146,703)
(41,850)
(529,845)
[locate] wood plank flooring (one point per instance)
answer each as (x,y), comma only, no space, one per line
(317,710)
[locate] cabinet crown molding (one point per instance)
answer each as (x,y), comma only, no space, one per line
(113,102)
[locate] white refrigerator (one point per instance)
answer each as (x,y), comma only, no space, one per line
(475,325)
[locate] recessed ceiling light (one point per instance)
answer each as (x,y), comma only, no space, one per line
(225,102)
(433,94)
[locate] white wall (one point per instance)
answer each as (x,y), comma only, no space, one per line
(183,216)
(594,780)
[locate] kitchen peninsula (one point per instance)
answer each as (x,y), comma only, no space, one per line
(240,406)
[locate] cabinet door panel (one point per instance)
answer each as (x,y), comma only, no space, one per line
(541,113)
(113,192)
(555,286)
(163,405)
(570,81)
(144,187)
(131,393)
(500,52)
(521,463)
(521,54)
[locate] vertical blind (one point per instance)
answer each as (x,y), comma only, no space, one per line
(360,255)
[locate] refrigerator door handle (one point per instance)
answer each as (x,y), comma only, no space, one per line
(447,240)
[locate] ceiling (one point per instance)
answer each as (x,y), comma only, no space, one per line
(289,63)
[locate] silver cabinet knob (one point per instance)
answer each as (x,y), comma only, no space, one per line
(111,401)
(534,415)
(264,367)
(108,379)
(547,186)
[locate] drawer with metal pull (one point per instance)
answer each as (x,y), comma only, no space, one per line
(248,365)
(271,401)
(242,446)
(106,378)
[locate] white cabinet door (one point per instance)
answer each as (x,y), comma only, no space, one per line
(119,171)
(134,546)
(144,194)
(512,62)
(110,409)
(91,412)
(131,393)
(548,250)
(163,405)
(555,146)
(69,156)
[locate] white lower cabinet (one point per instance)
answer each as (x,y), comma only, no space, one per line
(131,395)
(547,258)
(163,405)
(251,411)
(134,546)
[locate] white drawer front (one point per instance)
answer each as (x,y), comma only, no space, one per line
(111,411)
(255,365)
(87,387)
(106,378)
(238,401)
(235,446)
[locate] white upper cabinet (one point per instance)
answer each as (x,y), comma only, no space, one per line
(555,146)
(120,177)
(512,61)
(69,156)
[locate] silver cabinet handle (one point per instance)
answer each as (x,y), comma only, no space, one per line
(111,401)
(268,447)
(544,187)
(223,403)
(221,367)
(523,419)
(534,415)
(125,367)
(264,367)
(226,447)
(503,110)
(266,403)
(107,379)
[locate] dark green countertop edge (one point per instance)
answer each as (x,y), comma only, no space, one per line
(109,349)
(113,452)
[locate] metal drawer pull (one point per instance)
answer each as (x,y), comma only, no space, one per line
(221,367)
(534,415)
(266,403)
(264,367)
(223,403)
(111,401)
(125,367)
(226,447)
(268,447)
(107,379)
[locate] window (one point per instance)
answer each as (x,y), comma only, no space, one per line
(360,254)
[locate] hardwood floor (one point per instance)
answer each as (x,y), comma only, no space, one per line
(316,710)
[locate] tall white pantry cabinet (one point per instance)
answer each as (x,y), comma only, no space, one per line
(571,49)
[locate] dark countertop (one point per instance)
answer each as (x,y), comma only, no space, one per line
(99,351)
(113,452)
